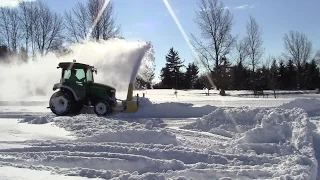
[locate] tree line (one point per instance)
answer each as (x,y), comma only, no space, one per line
(295,68)
(274,74)
(33,27)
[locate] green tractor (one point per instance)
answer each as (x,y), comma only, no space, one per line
(77,89)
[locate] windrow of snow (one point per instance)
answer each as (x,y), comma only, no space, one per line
(147,109)
(283,133)
(310,105)
(90,128)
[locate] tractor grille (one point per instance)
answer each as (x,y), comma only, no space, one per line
(111,94)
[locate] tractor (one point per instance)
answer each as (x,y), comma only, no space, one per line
(78,89)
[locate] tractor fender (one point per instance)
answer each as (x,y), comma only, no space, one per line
(59,86)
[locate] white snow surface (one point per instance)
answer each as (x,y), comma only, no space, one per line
(191,136)
(311,105)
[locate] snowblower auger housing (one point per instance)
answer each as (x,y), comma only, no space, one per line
(77,89)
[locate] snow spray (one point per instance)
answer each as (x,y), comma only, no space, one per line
(135,69)
(115,60)
(138,61)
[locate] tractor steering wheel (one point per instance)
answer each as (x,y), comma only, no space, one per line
(82,80)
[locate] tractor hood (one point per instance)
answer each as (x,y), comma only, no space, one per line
(103,86)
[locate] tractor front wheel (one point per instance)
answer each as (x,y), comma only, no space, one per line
(61,103)
(102,108)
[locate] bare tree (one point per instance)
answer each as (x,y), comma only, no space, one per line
(50,27)
(298,48)
(77,23)
(254,42)
(242,50)
(10,28)
(94,19)
(28,19)
(215,23)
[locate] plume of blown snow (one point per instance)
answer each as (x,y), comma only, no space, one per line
(114,60)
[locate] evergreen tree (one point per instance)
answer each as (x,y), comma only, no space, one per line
(273,77)
(262,75)
(305,76)
(282,79)
(313,76)
(291,73)
(239,77)
(191,76)
(203,82)
(166,79)
(143,83)
(225,75)
(171,75)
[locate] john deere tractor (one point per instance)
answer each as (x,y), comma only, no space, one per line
(77,89)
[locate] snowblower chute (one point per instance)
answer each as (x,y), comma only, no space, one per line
(131,105)
(77,89)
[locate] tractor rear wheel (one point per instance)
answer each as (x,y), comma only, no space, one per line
(61,103)
(102,108)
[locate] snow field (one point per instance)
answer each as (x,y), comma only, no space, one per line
(284,135)
(170,140)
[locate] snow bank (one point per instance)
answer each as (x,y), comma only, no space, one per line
(134,136)
(286,134)
(147,109)
(227,120)
(99,129)
(310,105)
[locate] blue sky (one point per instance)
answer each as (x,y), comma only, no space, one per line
(149,20)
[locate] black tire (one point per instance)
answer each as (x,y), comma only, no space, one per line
(102,108)
(65,99)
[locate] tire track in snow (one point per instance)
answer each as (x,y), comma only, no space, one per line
(193,138)
(122,151)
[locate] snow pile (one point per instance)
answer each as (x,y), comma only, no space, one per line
(147,109)
(90,128)
(311,105)
(286,134)
(228,121)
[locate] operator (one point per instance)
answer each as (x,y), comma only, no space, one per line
(73,77)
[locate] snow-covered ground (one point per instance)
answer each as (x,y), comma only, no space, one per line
(188,136)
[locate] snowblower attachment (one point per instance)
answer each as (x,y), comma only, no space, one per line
(130,105)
